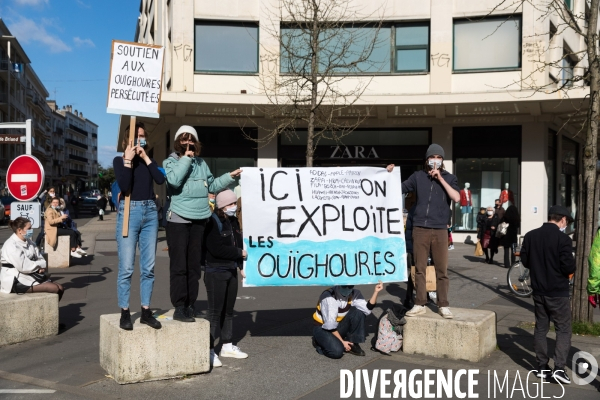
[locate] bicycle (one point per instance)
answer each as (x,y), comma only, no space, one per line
(518,277)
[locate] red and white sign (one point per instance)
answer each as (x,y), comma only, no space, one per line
(25,178)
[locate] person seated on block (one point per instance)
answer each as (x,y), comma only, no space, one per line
(23,267)
(54,228)
(340,320)
(72,225)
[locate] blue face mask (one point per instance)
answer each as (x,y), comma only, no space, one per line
(29,234)
(345,291)
(141,142)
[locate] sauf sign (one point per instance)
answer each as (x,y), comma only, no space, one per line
(323,226)
(353,152)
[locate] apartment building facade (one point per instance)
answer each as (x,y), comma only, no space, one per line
(456,73)
(64,141)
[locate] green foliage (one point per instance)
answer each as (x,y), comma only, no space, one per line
(586,328)
(106,176)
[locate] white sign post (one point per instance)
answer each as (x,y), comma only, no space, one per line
(134,88)
(29,210)
(323,226)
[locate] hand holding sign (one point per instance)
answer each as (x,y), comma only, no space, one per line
(235,173)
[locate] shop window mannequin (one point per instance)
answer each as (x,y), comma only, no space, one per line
(466,206)
(506,197)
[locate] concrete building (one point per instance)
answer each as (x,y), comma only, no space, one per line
(453,78)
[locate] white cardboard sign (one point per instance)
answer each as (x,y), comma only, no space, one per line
(135,79)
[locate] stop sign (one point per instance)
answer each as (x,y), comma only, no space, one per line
(25,178)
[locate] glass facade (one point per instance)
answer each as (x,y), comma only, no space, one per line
(224,47)
(487,180)
(489,44)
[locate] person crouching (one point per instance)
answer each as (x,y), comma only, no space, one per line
(340,319)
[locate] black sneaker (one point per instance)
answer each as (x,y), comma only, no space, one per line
(181,314)
(125,321)
(316,346)
(561,376)
(148,319)
(544,372)
(356,350)
(191,312)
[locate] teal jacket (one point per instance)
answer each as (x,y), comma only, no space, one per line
(189,181)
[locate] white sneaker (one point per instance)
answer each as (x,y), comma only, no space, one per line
(416,310)
(233,352)
(445,312)
(81,251)
(451,247)
(214,359)
(75,254)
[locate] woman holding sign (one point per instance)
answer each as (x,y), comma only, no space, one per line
(136,174)
(435,188)
(189,182)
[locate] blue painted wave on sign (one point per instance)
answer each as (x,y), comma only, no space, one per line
(335,262)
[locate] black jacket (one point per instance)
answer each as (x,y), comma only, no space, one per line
(548,253)
(511,233)
(481,225)
(409,230)
(433,203)
(223,249)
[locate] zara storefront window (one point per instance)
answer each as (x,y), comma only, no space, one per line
(487,165)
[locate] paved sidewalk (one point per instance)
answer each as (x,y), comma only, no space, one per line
(273,325)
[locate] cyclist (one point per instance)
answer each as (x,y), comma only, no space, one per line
(548,253)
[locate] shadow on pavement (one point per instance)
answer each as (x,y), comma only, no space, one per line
(86,279)
(70,315)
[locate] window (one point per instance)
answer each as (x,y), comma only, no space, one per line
(225,47)
(569,4)
(412,48)
(568,66)
(490,44)
(349,49)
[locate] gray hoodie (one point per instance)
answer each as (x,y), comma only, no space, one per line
(433,203)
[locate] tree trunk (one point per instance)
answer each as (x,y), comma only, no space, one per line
(582,311)
(314,76)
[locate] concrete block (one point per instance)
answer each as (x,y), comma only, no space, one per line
(470,336)
(147,354)
(28,316)
(61,257)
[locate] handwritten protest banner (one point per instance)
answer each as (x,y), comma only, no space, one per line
(323,226)
(135,79)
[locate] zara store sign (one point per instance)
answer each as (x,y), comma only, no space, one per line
(356,152)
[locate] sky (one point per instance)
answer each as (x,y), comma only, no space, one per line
(69,43)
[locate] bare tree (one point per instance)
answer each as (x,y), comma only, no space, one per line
(557,68)
(316,63)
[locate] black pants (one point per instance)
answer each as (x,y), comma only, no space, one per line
(558,310)
(185,250)
(70,233)
(509,256)
(221,290)
(351,328)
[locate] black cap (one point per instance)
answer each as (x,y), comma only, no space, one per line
(559,210)
(435,149)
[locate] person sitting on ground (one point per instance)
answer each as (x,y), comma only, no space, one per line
(340,319)
(22,263)
(54,228)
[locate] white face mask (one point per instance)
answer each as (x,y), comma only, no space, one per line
(231,211)
(490,213)
(52,194)
(563,229)
(434,164)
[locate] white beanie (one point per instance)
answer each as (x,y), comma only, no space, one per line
(186,129)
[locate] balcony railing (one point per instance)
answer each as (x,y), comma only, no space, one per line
(76,143)
(79,130)
(77,172)
(78,158)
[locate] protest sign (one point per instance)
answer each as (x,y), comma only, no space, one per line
(323,226)
(135,79)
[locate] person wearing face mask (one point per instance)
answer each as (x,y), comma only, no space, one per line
(340,320)
(47,197)
(548,253)
(489,242)
(498,209)
(136,174)
(435,189)
(54,227)
(23,264)
(224,256)
(189,182)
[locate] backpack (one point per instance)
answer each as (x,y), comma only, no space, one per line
(115,190)
(389,334)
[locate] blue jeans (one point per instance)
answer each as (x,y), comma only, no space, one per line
(143,232)
(351,329)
